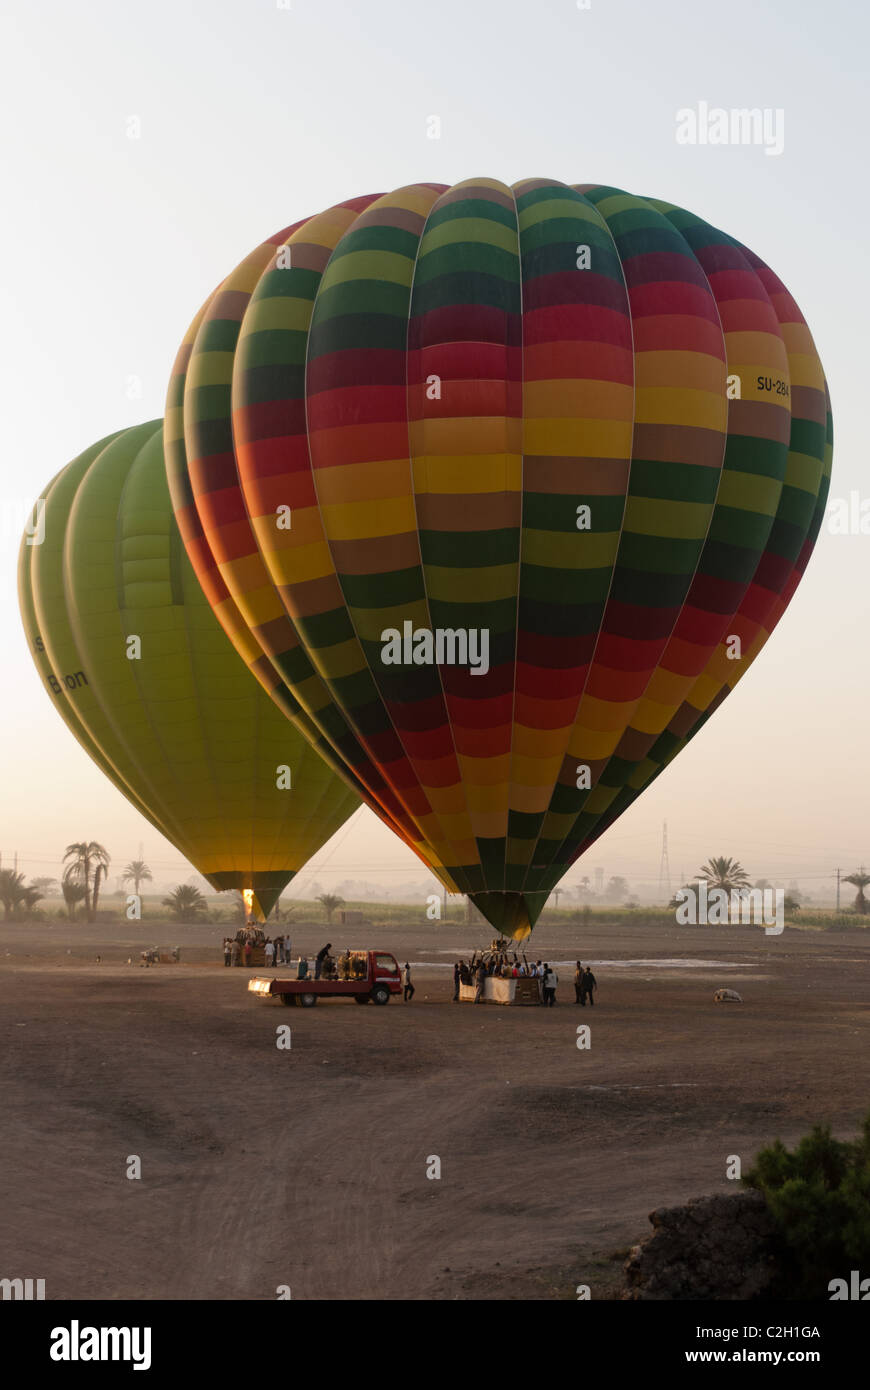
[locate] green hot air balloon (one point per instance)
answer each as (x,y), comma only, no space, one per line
(144,676)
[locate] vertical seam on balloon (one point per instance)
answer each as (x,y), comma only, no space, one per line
(603,223)
(411,456)
(75,632)
(507,836)
(135,669)
(703,543)
(347,714)
(28,585)
(183,463)
(205,738)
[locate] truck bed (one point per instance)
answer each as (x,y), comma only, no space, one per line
(284,985)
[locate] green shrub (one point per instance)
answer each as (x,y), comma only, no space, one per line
(819,1198)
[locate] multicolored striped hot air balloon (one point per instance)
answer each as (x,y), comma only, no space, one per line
(178,724)
(580,428)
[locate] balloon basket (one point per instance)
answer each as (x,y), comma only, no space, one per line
(512,992)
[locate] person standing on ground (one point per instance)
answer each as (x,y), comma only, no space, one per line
(550,982)
(235,953)
(228,951)
(589,984)
(481,977)
(457,977)
(270,953)
(578,983)
(248,949)
(408,990)
(320,958)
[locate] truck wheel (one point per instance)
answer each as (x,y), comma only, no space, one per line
(380,995)
(360,999)
(307,1000)
(288,999)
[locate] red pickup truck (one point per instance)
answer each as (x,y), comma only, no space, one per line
(363,976)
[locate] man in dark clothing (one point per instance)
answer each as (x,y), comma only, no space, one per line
(320,958)
(408,988)
(578,984)
(587,985)
(481,981)
(457,976)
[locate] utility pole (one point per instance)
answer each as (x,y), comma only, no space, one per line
(664,867)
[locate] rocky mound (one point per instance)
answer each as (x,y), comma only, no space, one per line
(712,1248)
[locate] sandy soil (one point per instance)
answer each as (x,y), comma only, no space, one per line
(307,1167)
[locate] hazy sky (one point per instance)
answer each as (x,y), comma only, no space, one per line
(254,114)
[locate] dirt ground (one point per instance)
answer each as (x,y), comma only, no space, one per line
(307,1167)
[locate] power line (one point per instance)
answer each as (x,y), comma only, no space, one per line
(664,867)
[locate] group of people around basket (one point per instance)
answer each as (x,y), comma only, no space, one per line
(478,972)
(239,949)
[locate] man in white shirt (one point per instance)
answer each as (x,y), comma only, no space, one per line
(551,979)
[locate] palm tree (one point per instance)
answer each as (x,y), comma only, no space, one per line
(136,872)
(557,893)
(330,901)
(859,879)
(72,894)
(15,893)
(185,901)
(89,862)
(45,885)
(725,873)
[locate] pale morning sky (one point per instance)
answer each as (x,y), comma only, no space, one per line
(254,114)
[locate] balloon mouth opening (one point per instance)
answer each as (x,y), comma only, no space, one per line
(507,912)
(259,891)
